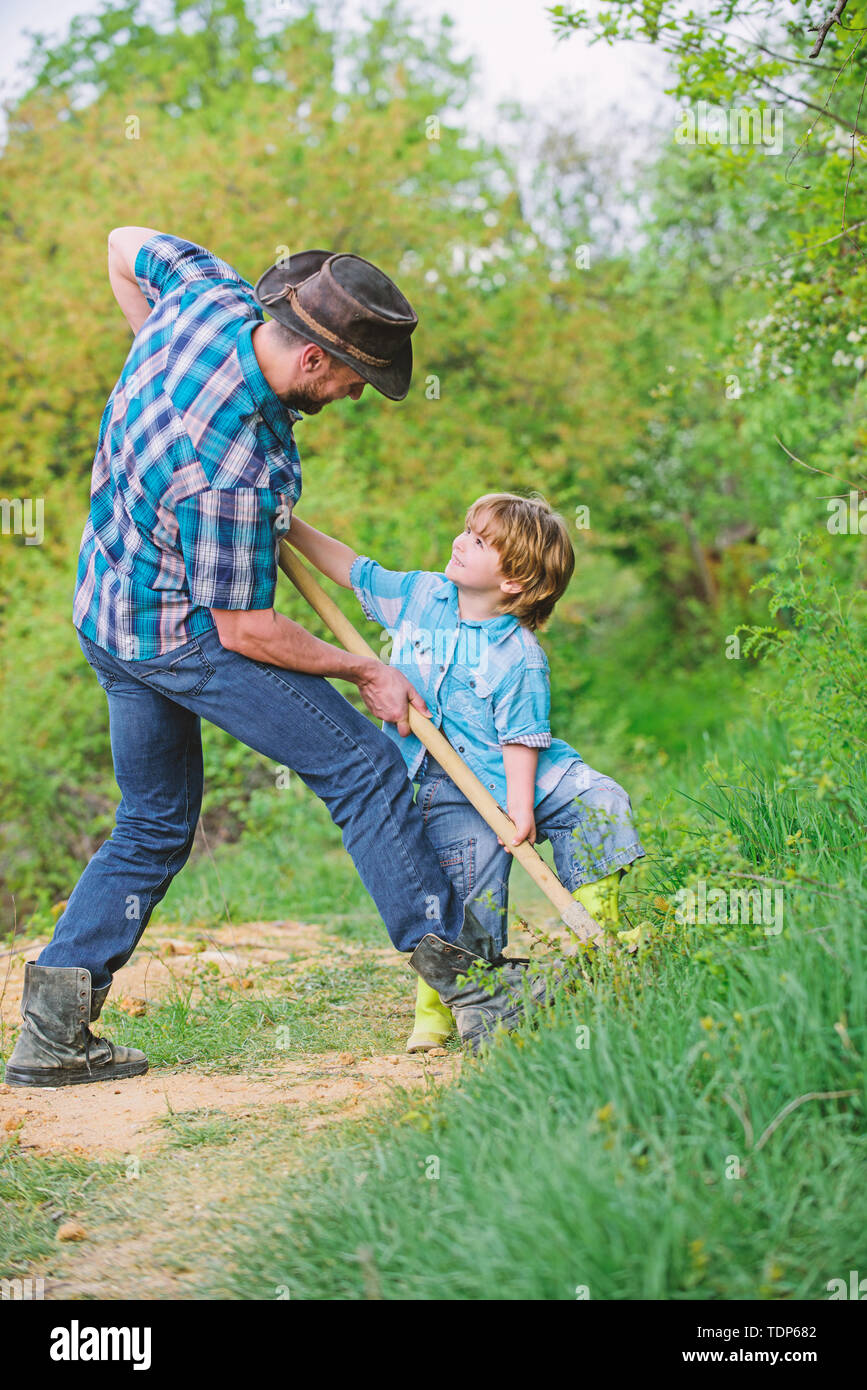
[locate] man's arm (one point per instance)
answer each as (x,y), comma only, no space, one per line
(330,556)
(124,244)
(263,634)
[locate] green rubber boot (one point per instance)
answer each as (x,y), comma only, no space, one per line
(601,900)
(433,1021)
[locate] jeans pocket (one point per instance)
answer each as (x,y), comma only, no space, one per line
(105,678)
(186,674)
(91,652)
(458,863)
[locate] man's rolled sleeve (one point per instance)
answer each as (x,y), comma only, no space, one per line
(164,263)
(382,593)
(227,540)
(522,711)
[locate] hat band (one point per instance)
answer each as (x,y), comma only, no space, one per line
(291,294)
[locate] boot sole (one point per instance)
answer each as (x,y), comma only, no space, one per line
(49,1077)
(426,1042)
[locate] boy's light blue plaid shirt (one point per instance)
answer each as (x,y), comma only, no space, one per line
(485,683)
(196,468)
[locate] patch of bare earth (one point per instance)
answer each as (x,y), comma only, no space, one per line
(160,1234)
(108,1118)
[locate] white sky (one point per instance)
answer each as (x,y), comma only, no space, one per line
(513,39)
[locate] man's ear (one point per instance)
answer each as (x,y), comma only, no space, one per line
(511,586)
(312,357)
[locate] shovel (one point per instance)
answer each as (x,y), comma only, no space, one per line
(574,914)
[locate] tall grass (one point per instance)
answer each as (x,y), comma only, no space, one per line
(692,1127)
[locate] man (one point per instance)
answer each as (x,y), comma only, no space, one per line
(194,480)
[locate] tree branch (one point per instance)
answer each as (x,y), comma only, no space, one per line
(834,18)
(852,486)
(759,79)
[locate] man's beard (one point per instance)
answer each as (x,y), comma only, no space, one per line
(310,401)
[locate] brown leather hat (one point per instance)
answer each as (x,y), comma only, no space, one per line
(350,308)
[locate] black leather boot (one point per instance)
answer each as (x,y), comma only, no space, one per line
(480,1006)
(475,939)
(97,999)
(56,1046)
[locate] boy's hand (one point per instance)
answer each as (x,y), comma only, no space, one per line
(525,827)
(388,694)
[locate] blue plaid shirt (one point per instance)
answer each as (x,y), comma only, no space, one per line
(196,469)
(486,683)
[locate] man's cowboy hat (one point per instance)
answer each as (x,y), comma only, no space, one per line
(350,308)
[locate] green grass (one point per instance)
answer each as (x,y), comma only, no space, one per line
(36,1196)
(691,1127)
(708,1142)
(194,1128)
(609,1166)
(349,1003)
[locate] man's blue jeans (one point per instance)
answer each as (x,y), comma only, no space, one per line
(299,721)
(587,818)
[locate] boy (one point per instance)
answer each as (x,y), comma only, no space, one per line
(465,640)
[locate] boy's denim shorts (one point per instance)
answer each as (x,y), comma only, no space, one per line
(587,818)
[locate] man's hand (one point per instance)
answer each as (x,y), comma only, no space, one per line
(388,695)
(525,826)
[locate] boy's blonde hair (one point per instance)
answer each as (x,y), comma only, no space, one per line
(534,547)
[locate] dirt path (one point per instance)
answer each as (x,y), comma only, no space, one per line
(187,1147)
(104,1120)
(182,1156)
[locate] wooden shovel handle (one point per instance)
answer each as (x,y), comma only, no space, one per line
(574,914)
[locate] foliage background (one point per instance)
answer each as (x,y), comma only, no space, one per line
(607,386)
(699,387)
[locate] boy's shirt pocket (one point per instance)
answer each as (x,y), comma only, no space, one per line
(470,697)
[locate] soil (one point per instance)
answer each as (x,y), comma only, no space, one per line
(108,1119)
(159,1230)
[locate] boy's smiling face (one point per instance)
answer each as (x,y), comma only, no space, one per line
(475,565)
